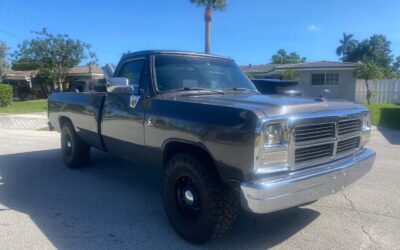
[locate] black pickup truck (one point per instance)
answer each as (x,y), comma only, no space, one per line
(220,143)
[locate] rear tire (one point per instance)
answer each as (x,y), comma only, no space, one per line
(198,204)
(75,152)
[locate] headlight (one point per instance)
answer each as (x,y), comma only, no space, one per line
(366,121)
(366,128)
(272,134)
(272,148)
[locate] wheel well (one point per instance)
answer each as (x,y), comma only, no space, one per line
(64,120)
(173,148)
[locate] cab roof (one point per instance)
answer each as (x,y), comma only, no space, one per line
(178,52)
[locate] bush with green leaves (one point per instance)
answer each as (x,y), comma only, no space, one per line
(6,94)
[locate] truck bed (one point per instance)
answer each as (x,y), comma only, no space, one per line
(84,110)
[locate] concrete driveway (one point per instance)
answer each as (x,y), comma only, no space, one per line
(113,204)
(32,121)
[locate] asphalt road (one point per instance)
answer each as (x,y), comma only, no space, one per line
(114,204)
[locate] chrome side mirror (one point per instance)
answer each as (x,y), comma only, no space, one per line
(134,100)
(119,85)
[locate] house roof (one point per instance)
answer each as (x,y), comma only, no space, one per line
(75,71)
(19,75)
(85,70)
(259,68)
(26,73)
(318,65)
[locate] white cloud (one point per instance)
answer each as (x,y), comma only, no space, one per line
(313,28)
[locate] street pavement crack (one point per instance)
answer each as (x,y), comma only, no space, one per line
(370,237)
(353,208)
(360,211)
(349,200)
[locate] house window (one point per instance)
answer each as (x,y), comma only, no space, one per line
(325,79)
(331,79)
(318,79)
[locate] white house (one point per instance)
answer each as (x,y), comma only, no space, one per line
(314,77)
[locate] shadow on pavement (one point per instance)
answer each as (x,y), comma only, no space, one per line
(391,135)
(112,204)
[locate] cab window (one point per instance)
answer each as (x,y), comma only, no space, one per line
(133,71)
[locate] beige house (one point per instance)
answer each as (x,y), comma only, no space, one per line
(85,73)
(24,81)
(314,77)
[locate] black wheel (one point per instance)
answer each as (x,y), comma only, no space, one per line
(199,206)
(76,153)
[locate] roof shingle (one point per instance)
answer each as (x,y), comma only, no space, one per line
(267,68)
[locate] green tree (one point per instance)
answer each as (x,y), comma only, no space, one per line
(25,64)
(375,49)
(210,6)
(289,74)
(249,75)
(347,44)
(396,65)
(53,55)
(368,71)
(3,58)
(282,57)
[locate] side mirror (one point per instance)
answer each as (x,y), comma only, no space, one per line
(119,85)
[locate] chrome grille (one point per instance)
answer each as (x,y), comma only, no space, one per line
(303,133)
(315,142)
(313,152)
(349,126)
(348,145)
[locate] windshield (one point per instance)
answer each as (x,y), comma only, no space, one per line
(183,72)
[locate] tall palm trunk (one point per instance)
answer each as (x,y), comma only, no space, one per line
(207,20)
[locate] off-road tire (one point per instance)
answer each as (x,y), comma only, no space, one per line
(75,152)
(218,203)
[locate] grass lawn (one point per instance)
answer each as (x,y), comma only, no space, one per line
(26,107)
(385,115)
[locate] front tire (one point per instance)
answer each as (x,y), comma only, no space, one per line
(198,204)
(75,152)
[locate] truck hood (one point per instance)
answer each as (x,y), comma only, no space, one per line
(271,104)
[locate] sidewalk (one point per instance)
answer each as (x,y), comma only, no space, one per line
(32,121)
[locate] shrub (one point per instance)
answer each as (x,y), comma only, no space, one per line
(6,94)
(385,115)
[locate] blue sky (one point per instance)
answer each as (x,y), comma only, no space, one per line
(248,31)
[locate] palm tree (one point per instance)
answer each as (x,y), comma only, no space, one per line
(347,43)
(209,6)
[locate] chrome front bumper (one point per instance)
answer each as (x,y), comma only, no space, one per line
(305,185)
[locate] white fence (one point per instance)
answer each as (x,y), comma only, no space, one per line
(383,91)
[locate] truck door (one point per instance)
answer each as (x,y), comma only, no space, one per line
(122,124)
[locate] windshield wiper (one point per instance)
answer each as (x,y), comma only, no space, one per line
(195,88)
(243,90)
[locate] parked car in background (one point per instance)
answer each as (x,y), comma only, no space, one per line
(270,86)
(219,142)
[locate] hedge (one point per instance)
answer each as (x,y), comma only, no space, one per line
(6,94)
(385,115)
